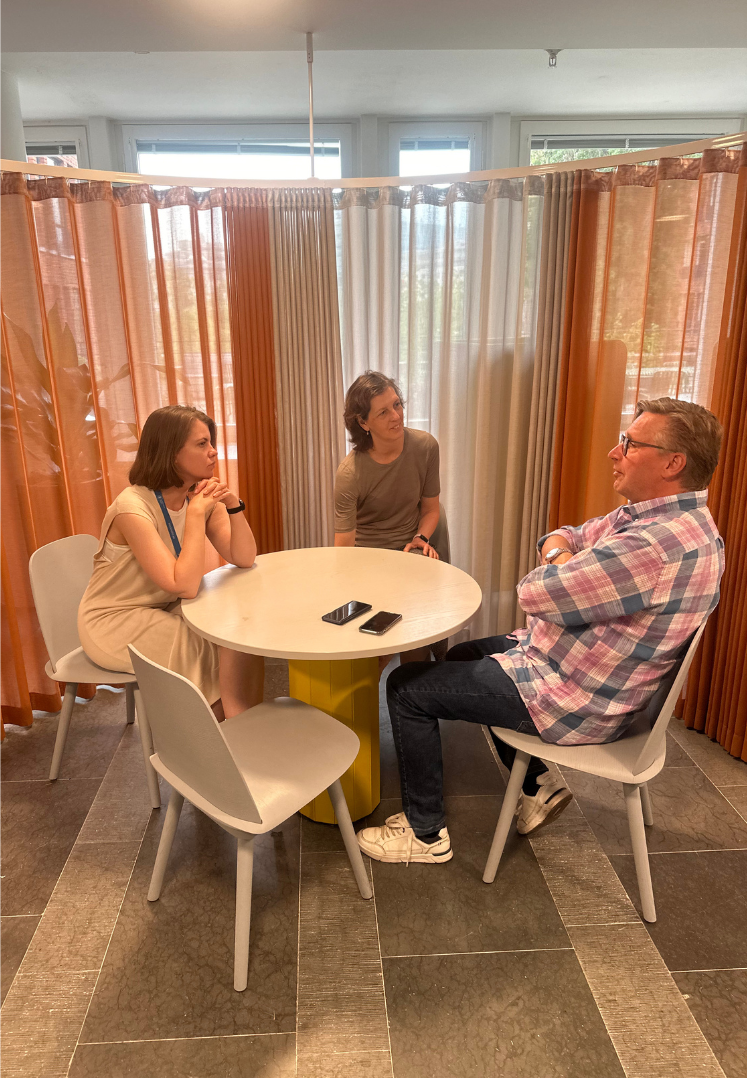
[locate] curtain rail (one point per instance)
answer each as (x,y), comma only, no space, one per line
(636,157)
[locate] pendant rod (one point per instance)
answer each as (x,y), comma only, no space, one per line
(310,64)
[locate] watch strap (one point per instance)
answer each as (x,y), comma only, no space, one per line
(237,508)
(423,537)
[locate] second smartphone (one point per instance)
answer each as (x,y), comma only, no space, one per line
(380,622)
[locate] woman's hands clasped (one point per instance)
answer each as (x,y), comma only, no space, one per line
(206,493)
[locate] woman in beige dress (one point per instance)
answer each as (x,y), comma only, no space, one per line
(152,555)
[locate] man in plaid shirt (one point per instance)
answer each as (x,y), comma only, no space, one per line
(609,610)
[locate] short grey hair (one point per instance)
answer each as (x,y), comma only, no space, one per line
(694,431)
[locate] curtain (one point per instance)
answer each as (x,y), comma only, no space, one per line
(647,268)
(307,360)
(439,289)
(716,699)
(114,303)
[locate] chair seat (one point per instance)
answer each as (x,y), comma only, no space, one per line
(77,667)
(614,760)
(287,752)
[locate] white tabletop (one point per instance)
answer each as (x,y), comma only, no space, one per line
(275,608)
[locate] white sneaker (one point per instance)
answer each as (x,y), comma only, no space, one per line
(549,801)
(396,841)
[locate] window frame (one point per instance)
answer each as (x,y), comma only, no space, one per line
(345,132)
(472,129)
(76,133)
(707,126)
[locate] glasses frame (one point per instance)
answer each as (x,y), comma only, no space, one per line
(626,443)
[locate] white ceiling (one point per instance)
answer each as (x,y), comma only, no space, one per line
(263,25)
(272,85)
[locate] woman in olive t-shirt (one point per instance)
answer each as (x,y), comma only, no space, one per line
(387,488)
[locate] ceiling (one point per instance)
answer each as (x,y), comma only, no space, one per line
(272,85)
(271,25)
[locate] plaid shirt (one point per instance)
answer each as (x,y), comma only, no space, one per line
(607,625)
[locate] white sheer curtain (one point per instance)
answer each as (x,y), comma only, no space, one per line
(439,289)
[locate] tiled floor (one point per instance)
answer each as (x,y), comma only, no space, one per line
(549,972)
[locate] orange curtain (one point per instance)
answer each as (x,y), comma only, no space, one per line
(250,290)
(647,277)
(716,699)
(115,302)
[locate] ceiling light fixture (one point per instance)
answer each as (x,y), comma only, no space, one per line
(553,54)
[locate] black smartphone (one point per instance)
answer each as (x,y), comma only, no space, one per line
(380,622)
(346,613)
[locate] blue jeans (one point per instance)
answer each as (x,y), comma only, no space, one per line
(469,686)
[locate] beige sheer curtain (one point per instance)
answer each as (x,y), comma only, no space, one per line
(307,360)
(440,289)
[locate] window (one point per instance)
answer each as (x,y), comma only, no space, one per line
(288,159)
(432,148)
(550,150)
(65,153)
(418,157)
(262,151)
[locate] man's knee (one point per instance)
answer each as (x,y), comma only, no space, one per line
(402,675)
(464,652)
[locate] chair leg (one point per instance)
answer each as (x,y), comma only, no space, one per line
(244,867)
(648,816)
(63,726)
(147,743)
(340,805)
(130,702)
(170,825)
(508,809)
(640,850)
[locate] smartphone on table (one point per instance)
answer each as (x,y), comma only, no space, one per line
(380,622)
(346,612)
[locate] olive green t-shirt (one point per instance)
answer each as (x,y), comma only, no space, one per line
(382,501)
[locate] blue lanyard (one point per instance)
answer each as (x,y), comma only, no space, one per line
(169,523)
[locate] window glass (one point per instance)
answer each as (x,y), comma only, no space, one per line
(240,159)
(432,156)
(550,150)
(62,154)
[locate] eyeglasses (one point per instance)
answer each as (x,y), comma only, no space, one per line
(626,443)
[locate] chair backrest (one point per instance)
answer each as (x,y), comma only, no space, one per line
(661,705)
(188,738)
(59,573)
(440,538)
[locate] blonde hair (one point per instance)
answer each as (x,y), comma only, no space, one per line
(694,431)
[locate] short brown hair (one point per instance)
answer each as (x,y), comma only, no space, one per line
(165,432)
(358,404)
(694,431)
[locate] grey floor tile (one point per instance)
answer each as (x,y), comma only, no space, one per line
(699,905)
(169,968)
(653,1032)
(689,813)
(676,755)
(718,1002)
(42,1017)
(40,823)
(276,678)
(16,934)
(74,931)
(94,733)
(208,1057)
(736,796)
(721,768)
(508,1015)
(122,808)
(435,909)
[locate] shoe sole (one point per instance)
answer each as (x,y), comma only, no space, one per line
(552,813)
(420,858)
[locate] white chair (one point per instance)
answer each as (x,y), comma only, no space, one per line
(636,758)
(59,573)
(248,774)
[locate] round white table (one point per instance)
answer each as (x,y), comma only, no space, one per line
(275,609)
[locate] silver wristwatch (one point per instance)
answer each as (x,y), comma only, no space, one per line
(551,555)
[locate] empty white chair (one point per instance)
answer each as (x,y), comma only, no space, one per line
(248,774)
(59,573)
(633,760)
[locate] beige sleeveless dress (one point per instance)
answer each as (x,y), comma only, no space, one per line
(122,606)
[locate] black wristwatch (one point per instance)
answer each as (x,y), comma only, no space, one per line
(237,508)
(424,538)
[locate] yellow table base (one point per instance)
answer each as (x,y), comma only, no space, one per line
(347,689)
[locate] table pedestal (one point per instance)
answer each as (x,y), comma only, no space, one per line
(347,689)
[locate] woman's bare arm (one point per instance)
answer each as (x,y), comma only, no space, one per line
(345,538)
(231,535)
